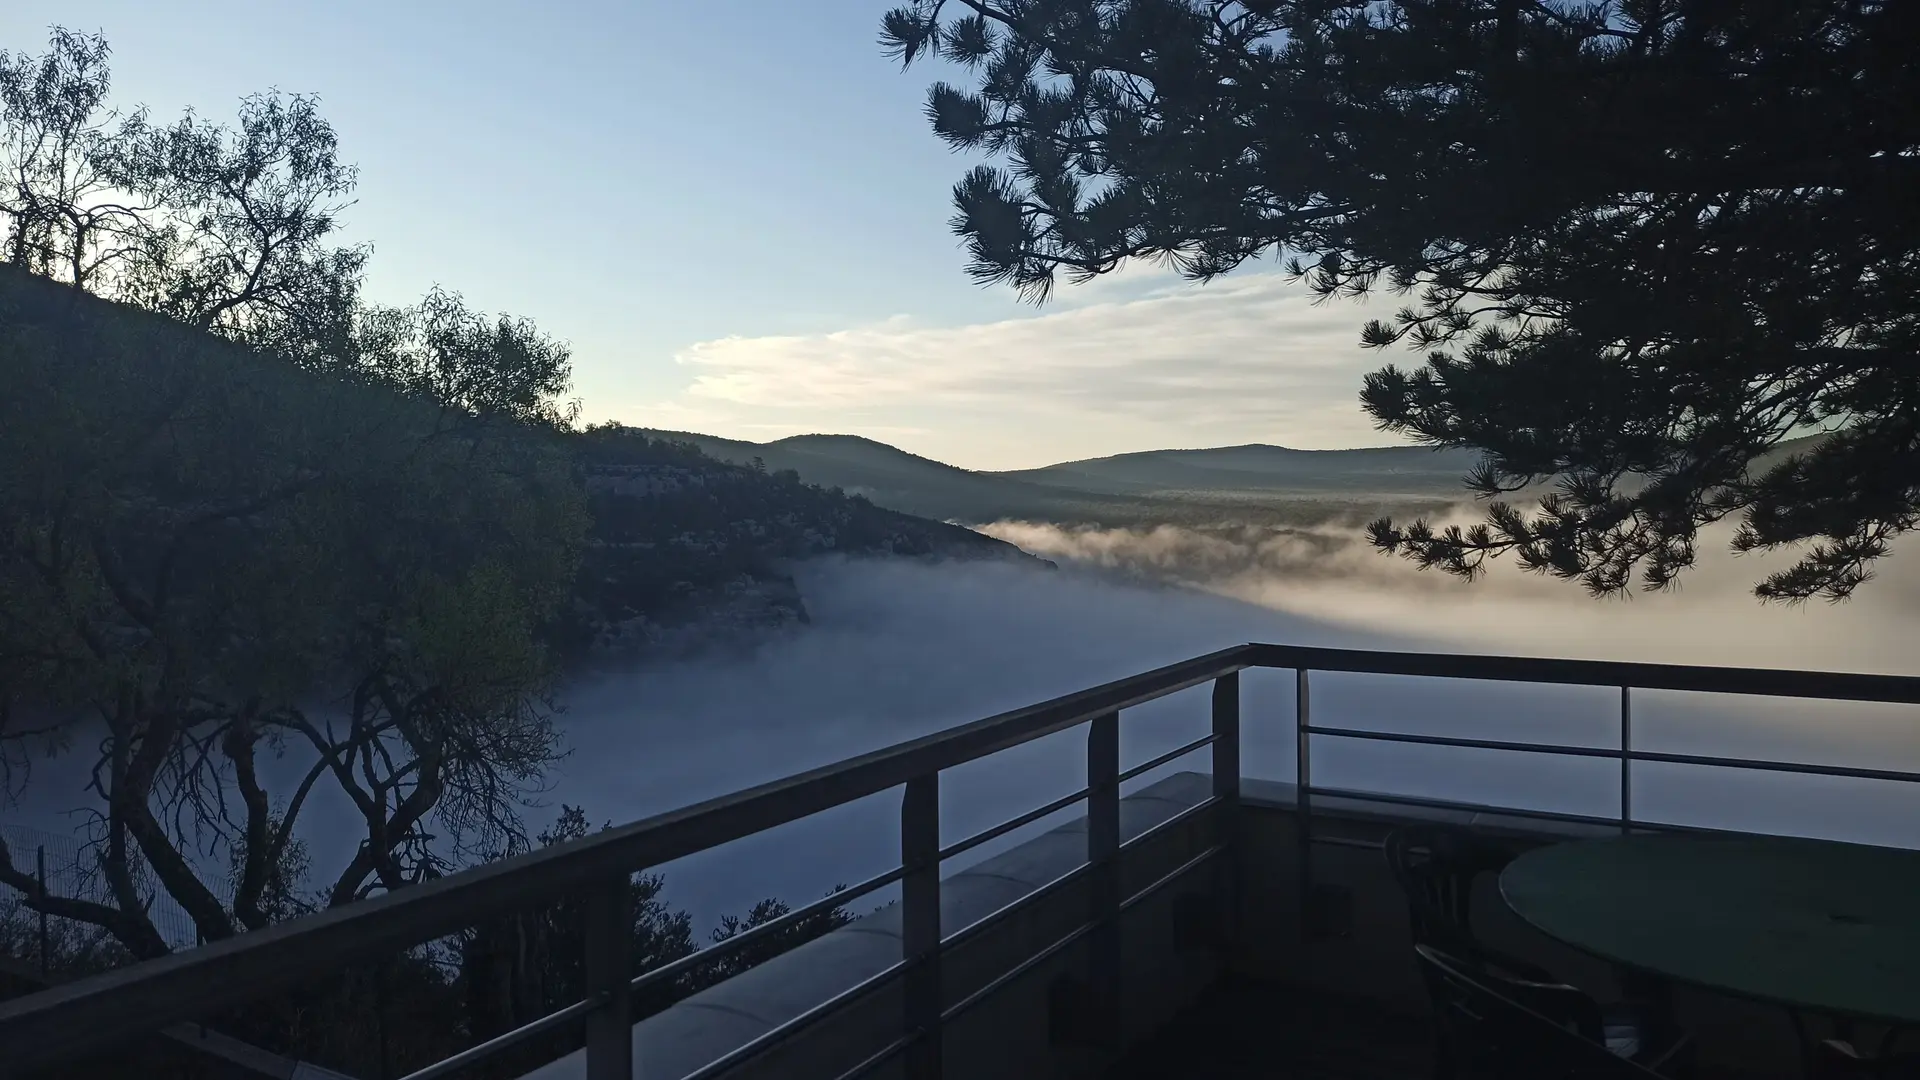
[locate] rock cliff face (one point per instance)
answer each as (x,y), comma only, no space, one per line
(687,552)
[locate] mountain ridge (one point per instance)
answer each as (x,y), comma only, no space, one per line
(1250,483)
(1247,483)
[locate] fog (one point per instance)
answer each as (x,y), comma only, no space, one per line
(896,649)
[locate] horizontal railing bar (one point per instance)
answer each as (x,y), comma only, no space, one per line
(1013,907)
(722,949)
(475,1054)
(882,1056)
(1611,822)
(1762,682)
(1170,877)
(83,1015)
(1000,982)
(1468,807)
(1027,900)
(1176,752)
(1372,735)
(1173,822)
(788,1028)
(1763,765)
(1360,842)
(1615,753)
(1008,826)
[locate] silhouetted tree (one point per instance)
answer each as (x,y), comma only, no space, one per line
(1645,241)
(501,368)
(241,243)
(209,558)
(69,182)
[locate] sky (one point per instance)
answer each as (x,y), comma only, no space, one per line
(737,216)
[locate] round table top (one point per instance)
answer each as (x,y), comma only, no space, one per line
(1828,927)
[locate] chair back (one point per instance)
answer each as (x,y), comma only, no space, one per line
(1437,867)
(1489,1035)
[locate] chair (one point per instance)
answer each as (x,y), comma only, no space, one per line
(1489,1033)
(1838,1059)
(1437,867)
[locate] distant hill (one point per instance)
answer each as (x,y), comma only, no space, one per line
(911,484)
(1257,469)
(1255,484)
(1252,484)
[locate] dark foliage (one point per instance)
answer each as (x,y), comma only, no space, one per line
(1644,241)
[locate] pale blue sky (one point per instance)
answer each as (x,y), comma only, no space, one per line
(736,215)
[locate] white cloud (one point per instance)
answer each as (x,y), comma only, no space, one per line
(1137,363)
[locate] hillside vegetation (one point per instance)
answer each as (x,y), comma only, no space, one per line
(684,548)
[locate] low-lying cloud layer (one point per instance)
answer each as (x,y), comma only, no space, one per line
(1331,572)
(898,649)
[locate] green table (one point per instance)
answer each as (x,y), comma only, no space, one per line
(1813,925)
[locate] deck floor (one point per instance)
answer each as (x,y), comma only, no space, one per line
(1241,1029)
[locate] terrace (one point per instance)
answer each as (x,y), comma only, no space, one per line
(1196,923)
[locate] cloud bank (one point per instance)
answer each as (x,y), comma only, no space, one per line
(898,649)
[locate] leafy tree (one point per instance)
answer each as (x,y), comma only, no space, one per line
(502,368)
(68,184)
(225,561)
(241,244)
(211,559)
(1644,242)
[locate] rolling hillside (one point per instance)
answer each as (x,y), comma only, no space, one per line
(911,484)
(1249,484)
(1253,485)
(1391,471)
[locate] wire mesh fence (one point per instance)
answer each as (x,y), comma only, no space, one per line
(67,867)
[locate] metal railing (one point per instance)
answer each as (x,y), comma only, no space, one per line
(84,1016)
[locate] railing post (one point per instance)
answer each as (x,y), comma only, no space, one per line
(1626,759)
(1302,801)
(382,1005)
(46,940)
(1103,855)
(920,924)
(609,966)
(1226,788)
